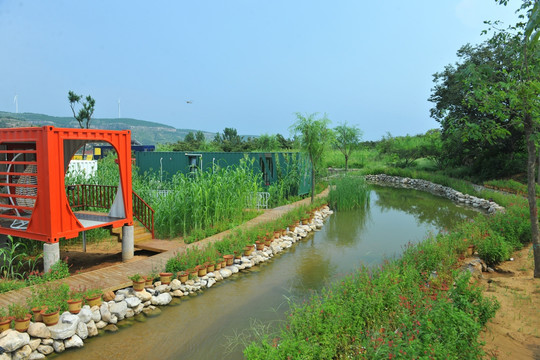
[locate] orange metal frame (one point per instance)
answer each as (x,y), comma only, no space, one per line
(51,217)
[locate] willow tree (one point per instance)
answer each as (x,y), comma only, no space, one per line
(314,136)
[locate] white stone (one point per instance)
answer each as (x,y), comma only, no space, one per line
(218,276)
(133,301)
(105,313)
(114,319)
(211,282)
(85,315)
(119,297)
(48,341)
(143,295)
(35,355)
(225,273)
(38,330)
(96,314)
(91,328)
(177,293)
(130,313)
(101,324)
(45,349)
(175,284)
(66,327)
(138,309)
(34,343)
(233,268)
(58,346)
(22,354)
(73,342)
(119,309)
(163,288)
(82,330)
(161,299)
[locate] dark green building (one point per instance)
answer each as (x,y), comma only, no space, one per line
(272,166)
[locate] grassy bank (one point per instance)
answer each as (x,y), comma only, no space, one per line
(418,306)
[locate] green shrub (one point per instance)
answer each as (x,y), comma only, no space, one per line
(494,249)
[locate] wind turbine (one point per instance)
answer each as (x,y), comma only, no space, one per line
(119,108)
(16,102)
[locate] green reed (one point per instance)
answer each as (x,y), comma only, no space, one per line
(349,192)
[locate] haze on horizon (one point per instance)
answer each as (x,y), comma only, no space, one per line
(241,64)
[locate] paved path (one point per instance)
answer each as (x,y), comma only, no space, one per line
(116,277)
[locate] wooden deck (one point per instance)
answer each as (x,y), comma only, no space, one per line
(116,277)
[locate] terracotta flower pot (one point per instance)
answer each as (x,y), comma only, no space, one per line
(93,301)
(183,276)
(148,281)
(229,259)
(193,273)
(260,245)
(470,250)
(218,266)
(5,324)
(201,270)
(37,314)
(139,285)
(284,232)
(277,234)
(223,264)
(74,306)
(50,319)
(211,268)
(165,277)
(22,325)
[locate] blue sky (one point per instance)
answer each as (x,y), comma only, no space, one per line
(244,64)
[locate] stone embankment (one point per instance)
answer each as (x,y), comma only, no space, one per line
(436,189)
(71,331)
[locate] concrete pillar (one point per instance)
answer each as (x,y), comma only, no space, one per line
(51,255)
(128,242)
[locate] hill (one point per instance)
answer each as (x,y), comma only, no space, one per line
(146,132)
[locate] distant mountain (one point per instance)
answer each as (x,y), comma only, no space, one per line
(146,132)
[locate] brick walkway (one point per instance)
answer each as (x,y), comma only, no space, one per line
(116,277)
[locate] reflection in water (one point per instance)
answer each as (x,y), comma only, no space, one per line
(199,327)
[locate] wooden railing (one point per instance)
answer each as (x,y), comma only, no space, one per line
(102,196)
(143,212)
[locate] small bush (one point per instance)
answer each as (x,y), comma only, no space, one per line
(494,249)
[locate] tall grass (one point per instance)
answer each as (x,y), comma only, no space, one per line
(201,200)
(349,192)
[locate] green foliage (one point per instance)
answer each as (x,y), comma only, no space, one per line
(204,201)
(403,151)
(349,192)
(15,259)
(347,139)
(84,115)
(494,249)
(18,311)
(314,136)
(58,270)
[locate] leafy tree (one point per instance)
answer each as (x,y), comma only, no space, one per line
(267,142)
(189,138)
(84,115)
(199,137)
(516,99)
(229,140)
(314,136)
(473,135)
(347,140)
(285,144)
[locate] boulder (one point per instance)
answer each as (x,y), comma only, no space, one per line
(225,273)
(73,342)
(133,301)
(66,327)
(161,299)
(92,329)
(82,330)
(45,349)
(39,330)
(13,340)
(85,315)
(36,355)
(22,354)
(58,346)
